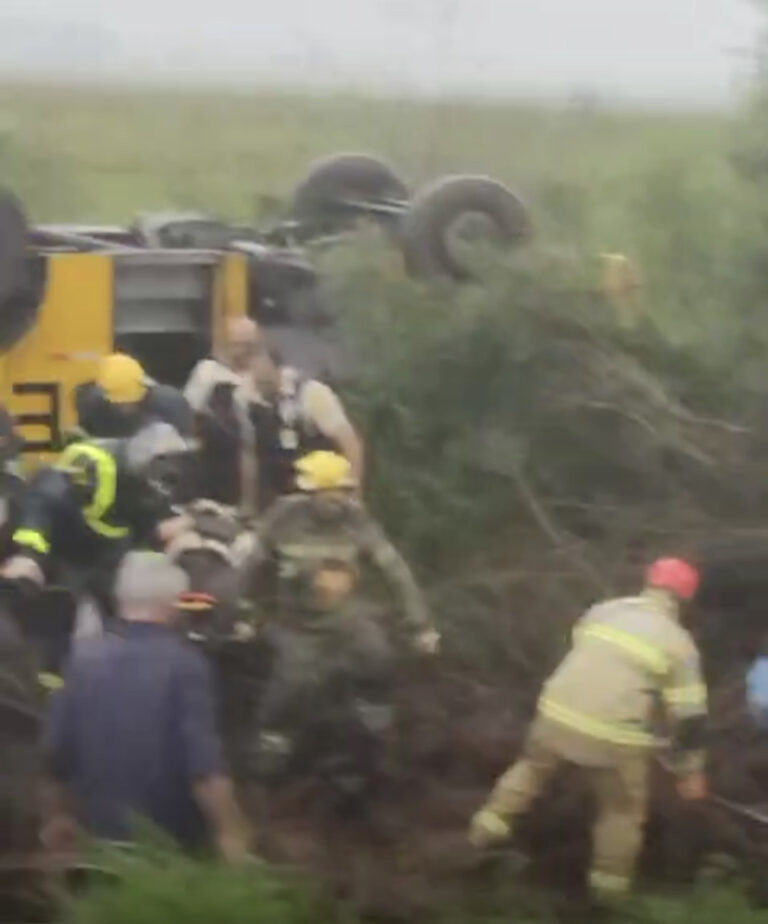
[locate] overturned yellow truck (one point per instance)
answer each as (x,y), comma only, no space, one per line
(166,308)
(163,287)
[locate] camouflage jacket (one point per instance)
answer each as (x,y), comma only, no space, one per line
(297,537)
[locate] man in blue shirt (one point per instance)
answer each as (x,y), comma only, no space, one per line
(132,733)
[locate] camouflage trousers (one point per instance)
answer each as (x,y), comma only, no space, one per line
(330,650)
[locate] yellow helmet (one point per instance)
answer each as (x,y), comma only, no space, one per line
(122,379)
(323,471)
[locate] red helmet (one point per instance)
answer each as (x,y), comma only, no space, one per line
(675,575)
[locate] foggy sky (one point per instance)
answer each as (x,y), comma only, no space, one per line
(656,50)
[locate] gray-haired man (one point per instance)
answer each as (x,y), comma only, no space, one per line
(132,732)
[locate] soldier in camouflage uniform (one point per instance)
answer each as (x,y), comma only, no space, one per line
(319,631)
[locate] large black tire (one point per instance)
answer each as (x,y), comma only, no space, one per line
(341,177)
(426,226)
(22,279)
(13,245)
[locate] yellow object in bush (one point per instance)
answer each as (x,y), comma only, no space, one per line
(619,276)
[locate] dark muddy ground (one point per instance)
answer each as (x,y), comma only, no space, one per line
(407,851)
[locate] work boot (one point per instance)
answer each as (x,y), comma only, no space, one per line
(487,829)
(491,834)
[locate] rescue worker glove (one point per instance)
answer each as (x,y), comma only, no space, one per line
(487,829)
(427,642)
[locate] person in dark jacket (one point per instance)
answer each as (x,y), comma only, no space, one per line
(79,516)
(132,733)
(122,399)
(11,480)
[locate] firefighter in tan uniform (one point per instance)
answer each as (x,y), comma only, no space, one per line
(629,657)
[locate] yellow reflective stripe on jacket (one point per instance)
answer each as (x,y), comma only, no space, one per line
(693,695)
(106,529)
(645,652)
(319,551)
(105,492)
(612,733)
(50,681)
(32,539)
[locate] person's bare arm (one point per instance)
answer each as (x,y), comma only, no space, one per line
(59,832)
(396,572)
(244,397)
(351,446)
(60,829)
(249,481)
(210,783)
(216,797)
(171,529)
(324,408)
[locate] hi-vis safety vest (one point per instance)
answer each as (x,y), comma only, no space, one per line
(629,656)
(94,469)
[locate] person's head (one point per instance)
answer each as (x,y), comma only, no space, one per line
(242,342)
(148,588)
(265,370)
(675,577)
(332,583)
(122,381)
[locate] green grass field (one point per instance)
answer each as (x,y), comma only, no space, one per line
(108,153)
(658,187)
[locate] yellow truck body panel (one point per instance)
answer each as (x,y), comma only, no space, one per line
(76,326)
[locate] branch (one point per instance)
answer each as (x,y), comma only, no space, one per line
(551,531)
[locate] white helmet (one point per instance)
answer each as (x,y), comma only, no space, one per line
(155,441)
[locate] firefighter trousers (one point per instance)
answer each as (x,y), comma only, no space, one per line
(620,787)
